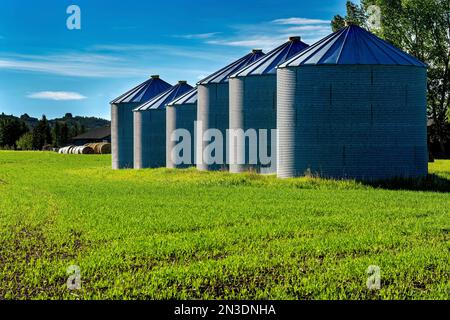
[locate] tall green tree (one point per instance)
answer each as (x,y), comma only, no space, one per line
(355,15)
(56,133)
(64,134)
(11,129)
(42,134)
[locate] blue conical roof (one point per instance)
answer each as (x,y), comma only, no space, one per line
(164,98)
(268,63)
(352,45)
(189,97)
(222,75)
(144,92)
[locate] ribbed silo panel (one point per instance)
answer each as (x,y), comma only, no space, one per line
(253,107)
(171,126)
(286,122)
(362,122)
(151,144)
(137,141)
(213,113)
(122,135)
(180,117)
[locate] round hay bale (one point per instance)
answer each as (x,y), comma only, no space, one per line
(105,148)
(87,150)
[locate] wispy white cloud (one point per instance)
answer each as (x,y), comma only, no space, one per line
(160,51)
(299,21)
(95,65)
(255,42)
(269,34)
(198,35)
(56,95)
(73,65)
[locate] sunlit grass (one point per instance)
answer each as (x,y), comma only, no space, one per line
(162,233)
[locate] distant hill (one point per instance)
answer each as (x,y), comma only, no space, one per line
(71,121)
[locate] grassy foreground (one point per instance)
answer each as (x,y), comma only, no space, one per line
(160,234)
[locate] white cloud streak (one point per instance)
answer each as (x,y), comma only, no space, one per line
(299,21)
(56,96)
(198,35)
(267,35)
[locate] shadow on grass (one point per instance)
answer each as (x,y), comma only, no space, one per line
(431,183)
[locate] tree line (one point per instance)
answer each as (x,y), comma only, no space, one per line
(421,28)
(15,134)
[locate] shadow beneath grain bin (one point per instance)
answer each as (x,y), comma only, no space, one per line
(431,183)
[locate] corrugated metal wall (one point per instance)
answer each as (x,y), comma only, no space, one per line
(362,122)
(150,139)
(252,106)
(180,117)
(212,112)
(122,135)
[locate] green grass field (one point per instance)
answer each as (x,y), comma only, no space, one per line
(162,234)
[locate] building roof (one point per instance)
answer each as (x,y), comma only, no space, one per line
(222,75)
(144,92)
(94,134)
(164,98)
(268,63)
(352,45)
(189,97)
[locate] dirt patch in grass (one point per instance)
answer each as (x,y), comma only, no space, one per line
(27,255)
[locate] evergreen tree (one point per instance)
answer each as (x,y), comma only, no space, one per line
(64,134)
(42,134)
(57,134)
(11,129)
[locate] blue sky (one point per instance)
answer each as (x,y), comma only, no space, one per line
(47,69)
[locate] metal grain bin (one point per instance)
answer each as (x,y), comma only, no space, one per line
(253,92)
(122,119)
(181,114)
(352,106)
(150,128)
(213,107)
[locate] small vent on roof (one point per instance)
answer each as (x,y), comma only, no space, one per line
(257,50)
(294,39)
(155,76)
(182,82)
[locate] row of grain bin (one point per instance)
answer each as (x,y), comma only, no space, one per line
(253,105)
(122,119)
(349,106)
(213,109)
(150,128)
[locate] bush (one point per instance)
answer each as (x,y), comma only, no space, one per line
(25,142)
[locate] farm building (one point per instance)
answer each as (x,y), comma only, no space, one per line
(352,106)
(93,136)
(181,114)
(150,128)
(253,92)
(122,119)
(213,107)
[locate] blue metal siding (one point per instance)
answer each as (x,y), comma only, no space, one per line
(150,139)
(253,106)
(180,116)
(213,113)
